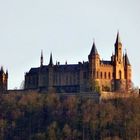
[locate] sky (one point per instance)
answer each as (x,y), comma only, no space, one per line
(66,28)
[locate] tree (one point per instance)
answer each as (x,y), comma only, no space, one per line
(94,86)
(52,131)
(67,132)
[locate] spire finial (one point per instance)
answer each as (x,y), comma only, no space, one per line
(2,68)
(51,60)
(125,51)
(41,58)
(118,40)
(93,50)
(7,72)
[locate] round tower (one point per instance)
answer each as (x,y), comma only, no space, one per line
(127,69)
(94,64)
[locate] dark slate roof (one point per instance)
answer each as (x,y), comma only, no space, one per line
(70,67)
(118,40)
(44,68)
(94,49)
(106,62)
(34,70)
(127,62)
(59,68)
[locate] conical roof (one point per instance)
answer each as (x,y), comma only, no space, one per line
(94,49)
(127,62)
(51,60)
(1,70)
(118,40)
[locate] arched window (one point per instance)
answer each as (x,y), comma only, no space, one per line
(113,75)
(105,75)
(120,75)
(67,80)
(101,75)
(109,75)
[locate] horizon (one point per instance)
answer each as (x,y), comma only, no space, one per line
(67,30)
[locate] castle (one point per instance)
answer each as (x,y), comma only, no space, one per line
(95,74)
(3,80)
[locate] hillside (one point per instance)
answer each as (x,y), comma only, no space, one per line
(48,116)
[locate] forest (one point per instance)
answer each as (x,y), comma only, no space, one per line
(36,116)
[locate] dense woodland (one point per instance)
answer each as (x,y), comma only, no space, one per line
(50,117)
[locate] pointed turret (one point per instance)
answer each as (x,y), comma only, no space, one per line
(1,70)
(94,49)
(123,58)
(51,60)
(127,62)
(41,59)
(118,49)
(118,40)
(7,73)
(128,72)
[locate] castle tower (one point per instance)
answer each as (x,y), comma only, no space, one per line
(119,80)
(94,61)
(51,60)
(41,59)
(40,76)
(94,64)
(3,79)
(50,74)
(127,69)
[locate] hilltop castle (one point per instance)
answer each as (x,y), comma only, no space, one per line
(113,75)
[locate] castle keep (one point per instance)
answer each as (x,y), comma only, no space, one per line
(113,75)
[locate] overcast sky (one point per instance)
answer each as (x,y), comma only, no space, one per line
(67,29)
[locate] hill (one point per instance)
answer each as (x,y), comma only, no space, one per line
(49,116)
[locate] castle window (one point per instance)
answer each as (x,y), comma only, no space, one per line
(113,75)
(70,80)
(33,80)
(78,80)
(56,79)
(105,75)
(44,80)
(59,79)
(109,75)
(101,75)
(67,79)
(120,75)
(85,76)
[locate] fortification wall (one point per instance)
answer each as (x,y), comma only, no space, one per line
(114,95)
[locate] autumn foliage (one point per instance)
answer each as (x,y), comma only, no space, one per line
(36,116)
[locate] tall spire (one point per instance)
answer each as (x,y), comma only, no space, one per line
(51,60)
(93,50)
(118,41)
(41,58)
